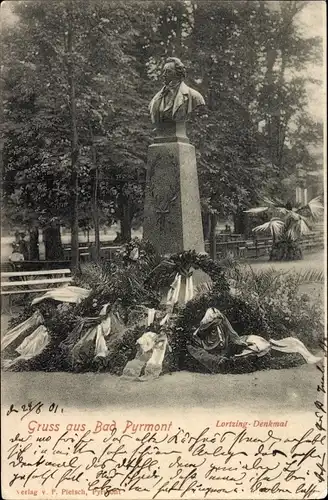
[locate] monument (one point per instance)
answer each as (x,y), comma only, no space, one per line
(172,215)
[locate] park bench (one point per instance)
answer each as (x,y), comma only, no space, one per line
(21,282)
(262,248)
(306,244)
(312,241)
(250,249)
(258,248)
(242,254)
(34,265)
(106,252)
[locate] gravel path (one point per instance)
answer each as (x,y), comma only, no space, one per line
(315,261)
(287,389)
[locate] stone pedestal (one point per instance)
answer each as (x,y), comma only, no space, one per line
(172,215)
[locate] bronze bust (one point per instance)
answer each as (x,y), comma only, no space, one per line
(175,101)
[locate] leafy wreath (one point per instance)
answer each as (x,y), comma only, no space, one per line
(137,280)
(184,263)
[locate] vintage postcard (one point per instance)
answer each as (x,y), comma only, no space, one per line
(163,250)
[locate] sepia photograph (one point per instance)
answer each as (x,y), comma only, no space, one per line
(163,249)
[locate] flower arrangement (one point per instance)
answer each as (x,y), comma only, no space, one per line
(265,303)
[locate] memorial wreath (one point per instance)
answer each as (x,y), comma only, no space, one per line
(141,315)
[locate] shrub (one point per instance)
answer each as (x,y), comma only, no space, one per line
(284,310)
(287,225)
(286,249)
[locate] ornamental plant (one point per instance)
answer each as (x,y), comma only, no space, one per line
(284,308)
(287,225)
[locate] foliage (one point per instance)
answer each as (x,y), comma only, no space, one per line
(286,249)
(127,283)
(266,303)
(253,132)
(287,225)
(122,287)
(247,131)
(183,263)
(232,167)
(59,319)
(284,309)
(137,252)
(37,147)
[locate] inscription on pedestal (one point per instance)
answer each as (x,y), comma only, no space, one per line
(163,195)
(172,221)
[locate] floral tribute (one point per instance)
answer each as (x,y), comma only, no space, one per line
(141,315)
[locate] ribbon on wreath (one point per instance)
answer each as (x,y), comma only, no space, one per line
(34,343)
(66,293)
(103,331)
(151,316)
(174,293)
(259,346)
(189,291)
(20,331)
(30,344)
(151,345)
(252,344)
(96,335)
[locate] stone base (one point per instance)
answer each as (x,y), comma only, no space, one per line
(172,215)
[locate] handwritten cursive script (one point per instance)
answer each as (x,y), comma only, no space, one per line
(49,460)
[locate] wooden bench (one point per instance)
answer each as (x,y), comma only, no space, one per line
(312,242)
(21,282)
(242,252)
(106,252)
(34,265)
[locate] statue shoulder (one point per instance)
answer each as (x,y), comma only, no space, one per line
(156,96)
(196,97)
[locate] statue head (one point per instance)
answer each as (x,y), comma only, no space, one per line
(174,70)
(175,101)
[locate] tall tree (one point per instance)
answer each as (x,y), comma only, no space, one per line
(81,74)
(80,71)
(282,94)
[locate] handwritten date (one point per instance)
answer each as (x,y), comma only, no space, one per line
(31,407)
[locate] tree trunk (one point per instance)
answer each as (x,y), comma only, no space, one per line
(34,253)
(95,214)
(74,143)
(214,220)
(281,122)
(241,223)
(206,219)
(178,36)
(52,243)
(95,183)
(126,222)
(125,217)
(74,223)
